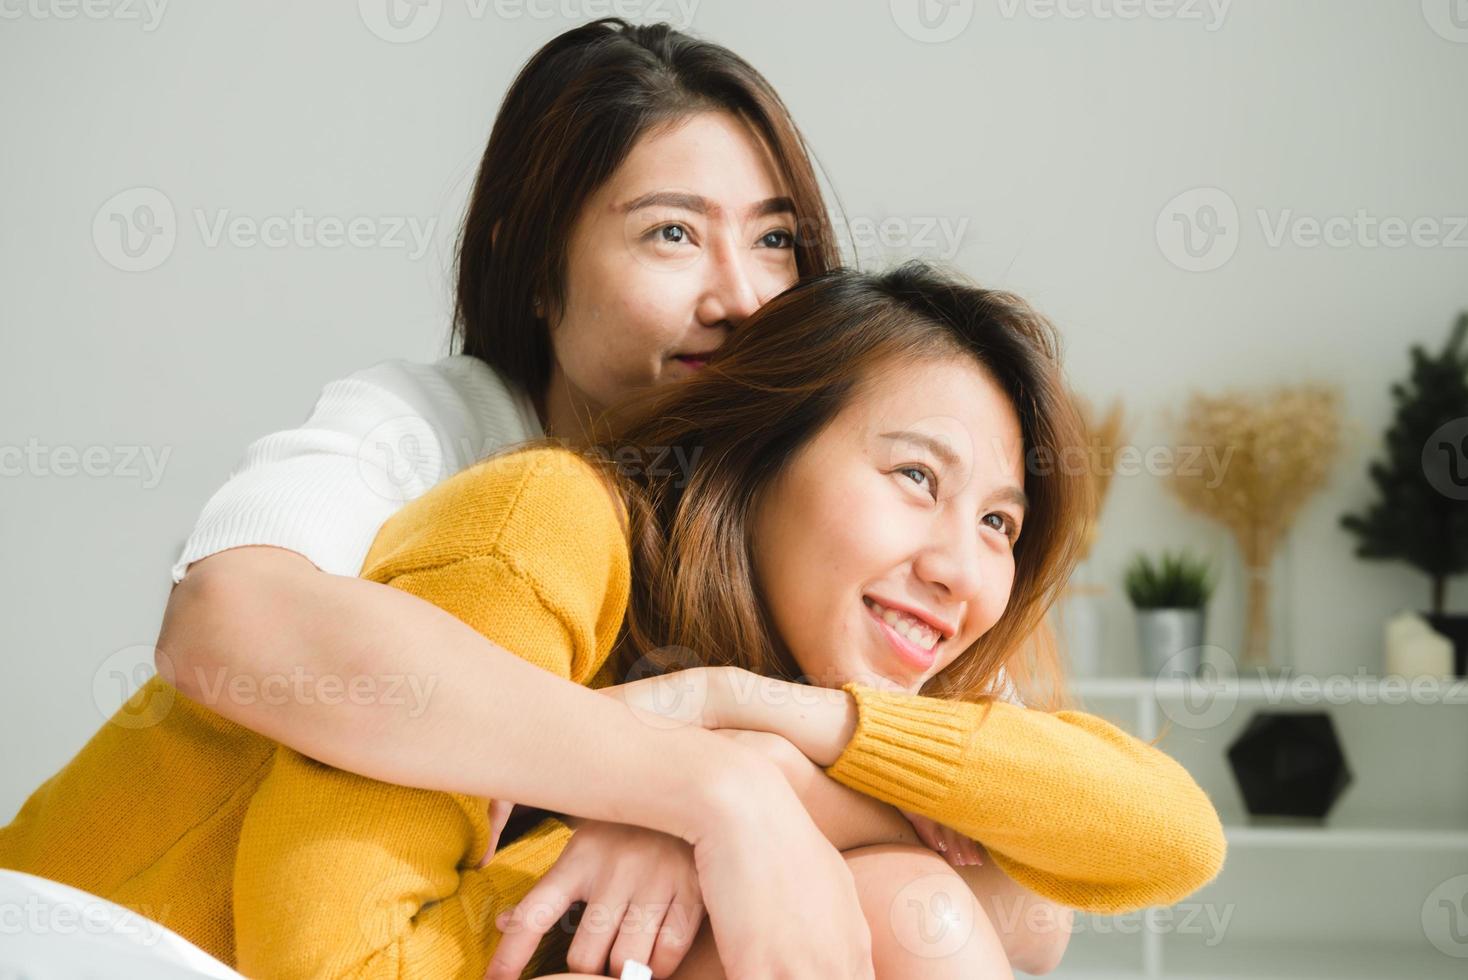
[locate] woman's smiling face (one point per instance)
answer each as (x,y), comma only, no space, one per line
(886,546)
(692,233)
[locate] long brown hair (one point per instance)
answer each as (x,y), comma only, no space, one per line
(723,436)
(570,118)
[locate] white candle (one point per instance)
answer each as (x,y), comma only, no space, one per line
(1414,649)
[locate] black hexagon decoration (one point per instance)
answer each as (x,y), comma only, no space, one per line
(1289,764)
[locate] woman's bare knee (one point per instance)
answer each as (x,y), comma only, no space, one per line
(924,920)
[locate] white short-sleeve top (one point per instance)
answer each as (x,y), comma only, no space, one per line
(374,441)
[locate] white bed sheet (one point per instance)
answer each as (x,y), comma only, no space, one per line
(51,931)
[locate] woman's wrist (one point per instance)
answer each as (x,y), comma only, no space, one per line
(819,721)
(727,787)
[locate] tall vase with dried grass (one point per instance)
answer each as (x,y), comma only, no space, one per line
(1274,450)
(1078,612)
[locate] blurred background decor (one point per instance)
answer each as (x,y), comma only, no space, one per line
(1078,614)
(1420,514)
(1170,597)
(1289,765)
(1277,448)
(1414,649)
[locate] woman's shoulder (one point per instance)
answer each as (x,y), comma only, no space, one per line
(538,505)
(470,409)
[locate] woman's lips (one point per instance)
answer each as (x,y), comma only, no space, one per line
(908,652)
(692,360)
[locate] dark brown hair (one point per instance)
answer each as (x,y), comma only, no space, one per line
(774,385)
(570,118)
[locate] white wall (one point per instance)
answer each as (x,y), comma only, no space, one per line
(1053,143)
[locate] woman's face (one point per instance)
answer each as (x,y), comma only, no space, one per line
(886,546)
(690,235)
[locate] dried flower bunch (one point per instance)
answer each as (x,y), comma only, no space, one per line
(1104,437)
(1276,449)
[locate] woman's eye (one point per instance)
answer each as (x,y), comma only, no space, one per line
(671,234)
(777,239)
(1006,526)
(924,474)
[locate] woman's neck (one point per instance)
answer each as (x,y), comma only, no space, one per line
(565,413)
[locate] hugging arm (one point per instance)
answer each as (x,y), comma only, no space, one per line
(1034,930)
(340,875)
(1067,804)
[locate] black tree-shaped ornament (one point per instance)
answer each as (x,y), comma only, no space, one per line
(1421,514)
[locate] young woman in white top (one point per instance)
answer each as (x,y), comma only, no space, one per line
(641,193)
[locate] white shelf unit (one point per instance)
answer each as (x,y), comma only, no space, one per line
(1432,835)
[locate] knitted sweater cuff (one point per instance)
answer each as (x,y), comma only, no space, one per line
(905,748)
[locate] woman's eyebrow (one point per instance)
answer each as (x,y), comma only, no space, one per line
(702,205)
(1011,495)
(938,447)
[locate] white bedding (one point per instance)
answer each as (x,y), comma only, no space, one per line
(51,931)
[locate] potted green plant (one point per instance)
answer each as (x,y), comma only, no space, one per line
(1420,516)
(1170,597)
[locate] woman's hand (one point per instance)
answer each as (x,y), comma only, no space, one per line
(960,851)
(780,898)
(692,696)
(499,815)
(642,902)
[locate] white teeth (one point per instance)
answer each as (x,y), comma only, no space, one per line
(908,627)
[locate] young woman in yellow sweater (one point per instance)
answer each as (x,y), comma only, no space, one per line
(851,520)
(642,192)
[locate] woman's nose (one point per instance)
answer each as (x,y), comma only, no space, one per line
(951,562)
(730,295)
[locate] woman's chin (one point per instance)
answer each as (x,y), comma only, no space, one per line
(871,677)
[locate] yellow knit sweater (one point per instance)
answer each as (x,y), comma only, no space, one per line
(286,867)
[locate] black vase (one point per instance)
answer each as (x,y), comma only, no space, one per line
(1289,765)
(1455,627)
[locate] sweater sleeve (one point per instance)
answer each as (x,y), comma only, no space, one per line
(374,441)
(1067,804)
(338,875)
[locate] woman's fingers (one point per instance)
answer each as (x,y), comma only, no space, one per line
(523,926)
(924,828)
(637,936)
(600,925)
(675,936)
(499,815)
(656,934)
(959,849)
